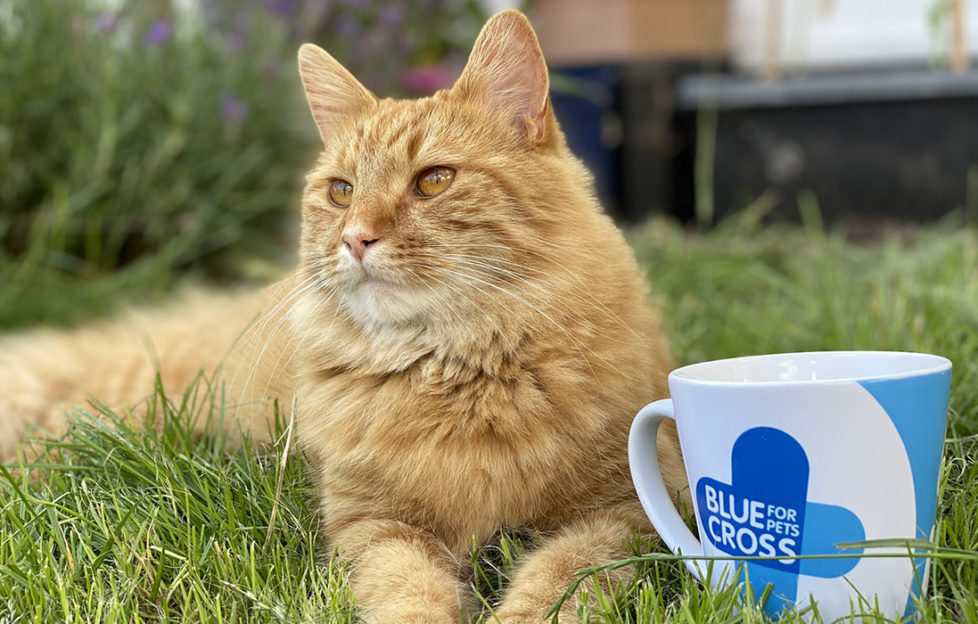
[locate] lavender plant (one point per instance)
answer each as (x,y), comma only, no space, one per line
(155,139)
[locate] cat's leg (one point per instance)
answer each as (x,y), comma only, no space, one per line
(403,574)
(245,358)
(546,573)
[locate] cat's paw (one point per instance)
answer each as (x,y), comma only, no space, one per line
(519,612)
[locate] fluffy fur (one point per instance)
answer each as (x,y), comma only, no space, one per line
(478,369)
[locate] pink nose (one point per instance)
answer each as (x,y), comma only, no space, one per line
(357,240)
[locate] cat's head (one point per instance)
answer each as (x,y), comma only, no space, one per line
(431,209)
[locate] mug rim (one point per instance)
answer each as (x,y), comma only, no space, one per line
(686,374)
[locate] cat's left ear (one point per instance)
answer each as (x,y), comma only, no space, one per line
(506,71)
(334,95)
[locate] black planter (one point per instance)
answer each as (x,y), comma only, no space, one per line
(895,145)
(586,101)
(620,120)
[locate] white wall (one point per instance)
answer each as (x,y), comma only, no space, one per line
(820,34)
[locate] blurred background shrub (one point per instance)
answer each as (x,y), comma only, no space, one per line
(144,140)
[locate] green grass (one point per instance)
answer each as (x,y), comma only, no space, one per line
(135,526)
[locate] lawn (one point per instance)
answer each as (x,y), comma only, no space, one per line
(144,527)
(136,156)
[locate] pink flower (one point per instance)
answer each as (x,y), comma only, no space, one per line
(427,78)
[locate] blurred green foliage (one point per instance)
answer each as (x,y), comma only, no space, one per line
(154,140)
(131,141)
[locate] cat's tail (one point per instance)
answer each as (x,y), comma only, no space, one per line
(24,397)
(226,338)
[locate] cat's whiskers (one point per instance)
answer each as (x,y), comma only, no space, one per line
(325,290)
(461,293)
(324,301)
(284,301)
(577,343)
(537,292)
(543,295)
(442,300)
(452,307)
(252,332)
(314,281)
(577,284)
(328,293)
(573,278)
(534,289)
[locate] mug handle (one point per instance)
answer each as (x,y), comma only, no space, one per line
(643,460)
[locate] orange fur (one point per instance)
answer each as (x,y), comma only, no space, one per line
(478,370)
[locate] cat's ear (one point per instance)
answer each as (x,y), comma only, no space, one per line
(334,95)
(506,71)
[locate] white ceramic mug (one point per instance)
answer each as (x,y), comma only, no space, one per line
(791,454)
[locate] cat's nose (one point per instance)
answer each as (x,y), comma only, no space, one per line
(357,240)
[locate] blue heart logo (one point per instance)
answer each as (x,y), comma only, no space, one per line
(765,512)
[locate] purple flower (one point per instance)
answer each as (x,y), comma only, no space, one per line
(233,110)
(234,42)
(238,31)
(106,22)
(159,32)
(347,26)
(281,8)
(427,78)
(391,15)
(270,69)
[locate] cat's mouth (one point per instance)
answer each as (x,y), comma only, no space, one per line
(377,298)
(370,278)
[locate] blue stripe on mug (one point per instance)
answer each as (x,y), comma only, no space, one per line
(904,401)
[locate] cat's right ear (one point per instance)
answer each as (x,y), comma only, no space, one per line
(506,71)
(334,95)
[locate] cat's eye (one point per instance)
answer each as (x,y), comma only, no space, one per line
(433,181)
(340,193)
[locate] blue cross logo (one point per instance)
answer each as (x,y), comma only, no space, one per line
(765,512)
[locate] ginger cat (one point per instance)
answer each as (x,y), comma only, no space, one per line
(467,339)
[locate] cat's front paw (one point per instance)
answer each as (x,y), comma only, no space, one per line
(519,612)
(407,616)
